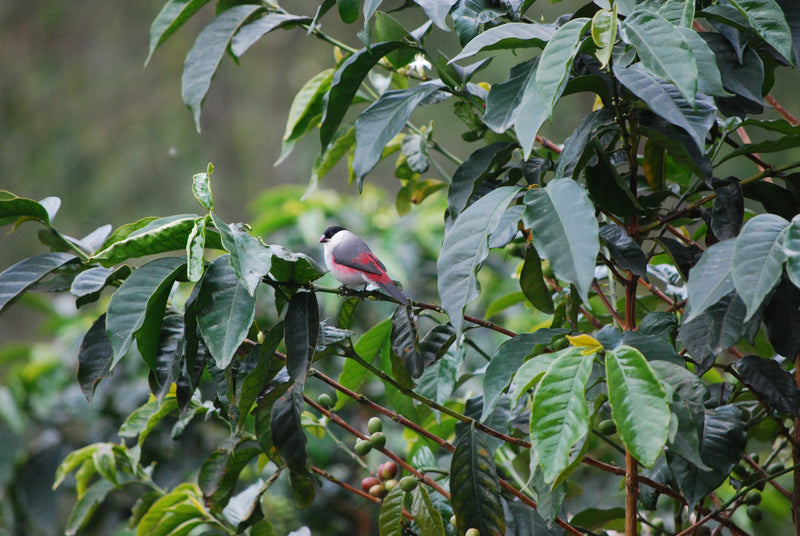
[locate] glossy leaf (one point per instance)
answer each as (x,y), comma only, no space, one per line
(709,79)
(791,248)
(475,487)
(604,34)
(771,382)
(137,307)
(426,516)
(504,98)
(145,418)
(469,16)
(250,258)
(17,209)
(556,61)
(575,144)
(743,77)
(711,279)
(767,19)
(94,357)
(305,111)
(219,473)
(560,415)
(391,516)
(301,330)
(624,250)
(226,310)
(758,258)
(405,341)
(639,404)
(532,283)
(287,430)
(437,11)
(473,171)
(206,54)
(155,236)
(378,124)
(171,17)
(529,115)
(16,279)
(345,83)
(369,347)
(677,142)
(565,231)
(512,35)
(465,247)
(253,31)
(293,267)
(436,342)
(727,213)
(782,318)
(253,383)
(663,50)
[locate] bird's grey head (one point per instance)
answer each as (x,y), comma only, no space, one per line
(329,232)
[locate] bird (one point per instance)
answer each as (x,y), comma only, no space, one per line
(351,262)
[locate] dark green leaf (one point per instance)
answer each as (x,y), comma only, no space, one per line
(19,209)
(142,421)
(391,516)
(774,199)
(170,18)
(305,111)
(206,54)
(475,486)
(677,142)
(405,341)
(293,267)
(663,50)
(226,310)
(711,279)
(386,28)
(476,168)
(348,10)
(287,429)
(767,19)
(87,504)
(415,149)
(165,366)
(427,518)
(728,212)
(436,343)
(596,519)
(773,385)
(659,324)
(529,115)
(512,35)
(505,97)
(379,123)
(16,279)
(639,404)
(743,77)
(250,258)
(782,318)
(556,61)
(252,32)
(469,16)
(560,415)
(531,281)
(757,261)
(345,83)
(565,230)
(155,236)
(301,331)
(137,307)
(792,12)
(709,79)
(575,144)
(437,11)
(219,473)
(624,250)
(604,34)
(254,383)
(465,247)
(94,357)
(369,346)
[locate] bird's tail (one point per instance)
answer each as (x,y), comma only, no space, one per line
(394,292)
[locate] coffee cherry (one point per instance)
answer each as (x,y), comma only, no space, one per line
(374,425)
(368,482)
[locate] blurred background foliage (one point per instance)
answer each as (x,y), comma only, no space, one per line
(81,118)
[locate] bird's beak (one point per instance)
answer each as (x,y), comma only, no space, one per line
(323,239)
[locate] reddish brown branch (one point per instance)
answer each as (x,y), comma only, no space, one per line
(782,111)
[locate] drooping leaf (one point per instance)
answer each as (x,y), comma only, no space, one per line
(465,247)
(391,516)
(677,142)
(195,251)
(469,16)
(94,357)
(767,19)
(253,31)
(711,278)
(16,279)
(604,33)
(743,76)
(575,144)
(219,473)
(473,171)
(782,318)
(369,347)
(530,114)
(305,111)
(436,342)
(624,250)
(556,61)
(87,504)
(169,19)
(565,231)
(292,267)
(757,261)
(379,123)
(165,365)
(437,11)
(137,307)
(426,516)
(405,340)
(18,209)
(663,50)
(560,415)
(728,211)
(531,281)
(287,430)
(226,310)
(709,79)
(206,54)
(475,486)
(512,35)
(145,418)
(791,248)
(504,98)
(345,83)
(301,329)
(773,385)
(639,404)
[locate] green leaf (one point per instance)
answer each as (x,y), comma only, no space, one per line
(20,209)
(565,231)
(677,142)
(206,54)
(332,155)
(253,31)
(142,421)
(146,237)
(94,357)
(604,34)
(226,310)
(437,11)
(560,415)
(293,267)
(305,111)
(469,16)
(287,430)
(195,251)
(773,385)
(709,78)
(529,115)
(345,83)
(512,35)
(378,124)
(596,519)
(663,50)
(504,98)
(639,404)
(253,383)
(369,346)
(531,281)
(475,487)
(575,146)
(250,258)
(301,330)
(16,279)
(782,318)
(464,248)
(405,340)
(201,187)
(476,168)
(87,504)
(165,365)
(743,76)
(768,20)
(219,473)
(728,211)
(710,279)
(757,261)
(624,250)
(170,18)
(556,61)
(348,10)
(391,516)
(137,307)
(426,516)
(696,117)
(387,28)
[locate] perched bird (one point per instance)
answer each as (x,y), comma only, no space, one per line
(352,262)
